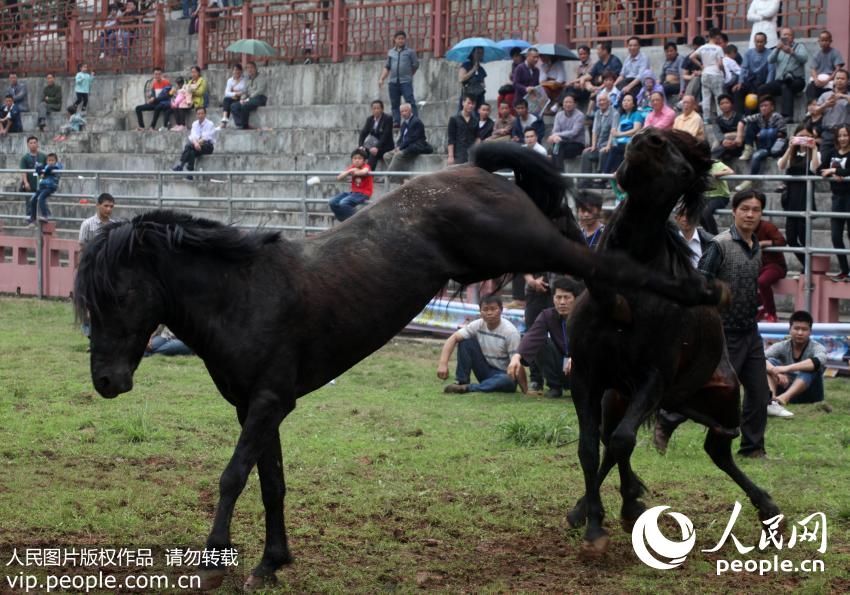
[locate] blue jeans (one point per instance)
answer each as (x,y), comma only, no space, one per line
(471,359)
(39,198)
(344,204)
(812,380)
(189,7)
(763,140)
(396,91)
(163,346)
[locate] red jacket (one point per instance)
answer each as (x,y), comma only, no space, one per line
(768,231)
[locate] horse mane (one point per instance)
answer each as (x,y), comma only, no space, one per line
(698,154)
(152,237)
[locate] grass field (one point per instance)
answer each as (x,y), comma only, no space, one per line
(392,485)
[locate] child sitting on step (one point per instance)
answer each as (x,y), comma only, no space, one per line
(76,123)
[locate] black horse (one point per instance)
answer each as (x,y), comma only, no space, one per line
(272,321)
(634,352)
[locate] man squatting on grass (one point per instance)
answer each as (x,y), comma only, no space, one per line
(486,346)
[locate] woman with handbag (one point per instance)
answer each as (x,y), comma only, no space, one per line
(471,76)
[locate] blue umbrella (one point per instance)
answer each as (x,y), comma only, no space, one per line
(509,44)
(461,50)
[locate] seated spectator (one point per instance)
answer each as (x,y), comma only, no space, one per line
(525,120)
(129,20)
(486,347)
(731,69)
(648,86)
(835,167)
(671,71)
(164,342)
(716,196)
(589,210)
(376,136)
(759,134)
(578,85)
(76,123)
(345,204)
(834,107)
(546,344)
(462,133)
(756,71)
(51,101)
(159,100)
(233,93)
(198,87)
(606,63)
(813,122)
(181,103)
(530,141)
(308,39)
(201,141)
(109,35)
(18,90)
(471,75)
(605,120)
(526,76)
(567,137)
(823,66)
(691,73)
(485,123)
(634,65)
(790,58)
(255,96)
(795,162)
(553,79)
(609,89)
(725,147)
(660,114)
(629,123)
(773,267)
(795,366)
(503,124)
(689,120)
(10,117)
(411,141)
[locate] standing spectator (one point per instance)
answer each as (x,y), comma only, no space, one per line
(51,101)
(503,124)
(709,58)
(716,195)
(486,347)
(188,6)
(762,14)
(530,137)
(731,68)
(48,182)
(411,141)
(633,66)
(516,59)
(834,106)
(11,117)
(835,166)
(823,66)
(462,132)
(92,226)
(796,366)
(578,85)
(671,71)
(525,120)
(345,204)
(376,136)
(32,158)
(471,76)
(795,162)
(759,133)
(756,71)
(401,65)
(485,123)
(660,115)
(726,131)
(790,58)
(773,267)
(201,141)
(255,96)
(629,124)
(233,93)
(695,237)
(589,209)
(526,76)
(308,39)
(567,137)
(82,87)
(691,72)
(689,120)
(18,91)
(537,298)
(606,62)
(159,100)
(605,120)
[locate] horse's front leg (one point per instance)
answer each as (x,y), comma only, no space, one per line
(260,422)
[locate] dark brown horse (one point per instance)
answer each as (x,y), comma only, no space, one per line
(634,352)
(274,320)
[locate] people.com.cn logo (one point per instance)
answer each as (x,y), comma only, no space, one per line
(648,541)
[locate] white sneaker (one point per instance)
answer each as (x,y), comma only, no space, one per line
(775,409)
(745,185)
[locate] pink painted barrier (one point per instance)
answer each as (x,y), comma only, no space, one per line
(19,270)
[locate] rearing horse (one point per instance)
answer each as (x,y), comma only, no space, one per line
(266,315)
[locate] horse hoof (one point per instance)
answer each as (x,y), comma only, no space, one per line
(258,582)
(627,524)
(595,549)
(211,578)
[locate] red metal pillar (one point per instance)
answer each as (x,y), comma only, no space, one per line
(203,35)
(159,37)
(438,9)
(73,43)
(551,22)
(838,23)
(693,20)
(338,24)
(247,24)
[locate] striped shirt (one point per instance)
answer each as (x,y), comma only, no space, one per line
(90,228)
(497,345)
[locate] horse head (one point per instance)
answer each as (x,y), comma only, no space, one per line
(662,166)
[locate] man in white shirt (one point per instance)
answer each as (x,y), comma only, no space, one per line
(486,347)
(530,137)
(201,141)
(91,226)
(710,57)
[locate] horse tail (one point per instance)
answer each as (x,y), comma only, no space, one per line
(536,176)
